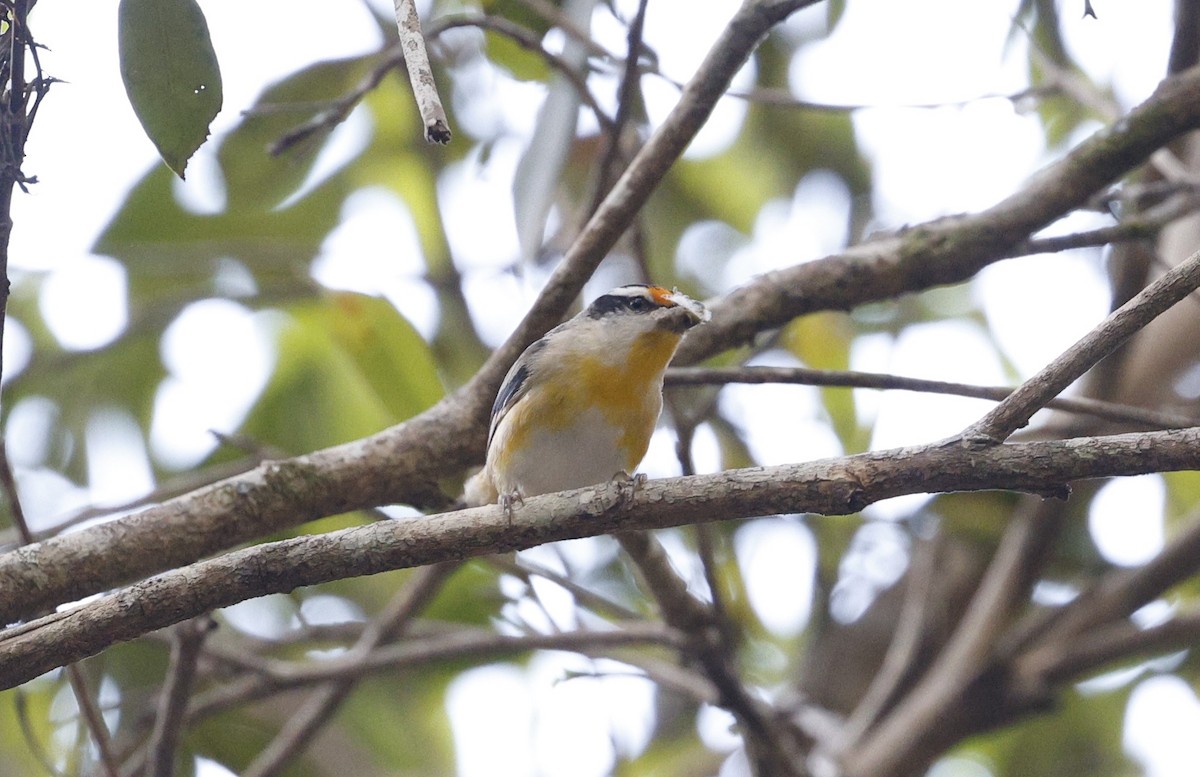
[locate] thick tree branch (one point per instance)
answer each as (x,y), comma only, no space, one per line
(951,250)
(829,486)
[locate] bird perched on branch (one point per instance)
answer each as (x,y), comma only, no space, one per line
(579,405)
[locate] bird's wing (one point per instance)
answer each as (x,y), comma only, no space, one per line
(515,386)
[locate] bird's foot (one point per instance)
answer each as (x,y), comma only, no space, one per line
(509,501)
(627,486)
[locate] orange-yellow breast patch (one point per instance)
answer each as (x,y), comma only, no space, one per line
(630,396)
(627,394)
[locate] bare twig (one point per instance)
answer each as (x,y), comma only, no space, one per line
(614,135)
(168,489)
(94,720)
(337,110)
(583,595)
(1015,410)
(902,651)
(392,57)
(703,376)
(528,40)
(903,736)
(1141,225)
(186,641)
(319,708)
(1108,601)
(1120,641)
(416,58)
(772,748)
(461,644)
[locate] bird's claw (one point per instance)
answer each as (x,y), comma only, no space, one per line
(508,501)
(627,486)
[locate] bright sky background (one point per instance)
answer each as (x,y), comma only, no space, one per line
(87,148)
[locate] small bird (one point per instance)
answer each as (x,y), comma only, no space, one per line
(579,405)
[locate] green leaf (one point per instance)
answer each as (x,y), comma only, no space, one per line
(170,73)
(349,365)
(254,178)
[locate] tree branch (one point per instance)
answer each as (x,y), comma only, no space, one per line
(424,87)
(1110,411)
(319,707)
(953,249)
(829,486)
(770,748)
(1016,409)
(187,639)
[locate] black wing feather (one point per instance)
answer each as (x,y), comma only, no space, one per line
(513,387)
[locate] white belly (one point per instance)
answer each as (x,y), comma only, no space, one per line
(581,454)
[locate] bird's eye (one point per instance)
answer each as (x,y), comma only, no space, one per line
(638,304)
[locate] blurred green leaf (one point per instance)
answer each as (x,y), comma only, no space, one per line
(523,64)
(348,366)
(254,178)
(171,74)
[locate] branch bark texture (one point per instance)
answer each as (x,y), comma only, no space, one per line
(830,486)
(951,250)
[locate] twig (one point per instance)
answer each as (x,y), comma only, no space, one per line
(181,484)
(589,598)
(526,39)
(1140,226)
(96,726)
(462,644)
(416,58)
(555,16)
(614,135)
(771,747)
(317,710)
(467,644)
(1015,410)
(702,376)
(186,641)
(1121,641)
(1110,600)
(901,653)
(336,111)
(83,699)
(904,736)
(32,740)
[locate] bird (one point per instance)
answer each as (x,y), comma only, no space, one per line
(578,406)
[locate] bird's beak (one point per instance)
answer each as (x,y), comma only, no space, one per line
(686,313)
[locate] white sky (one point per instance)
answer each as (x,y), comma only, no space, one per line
(927,162)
